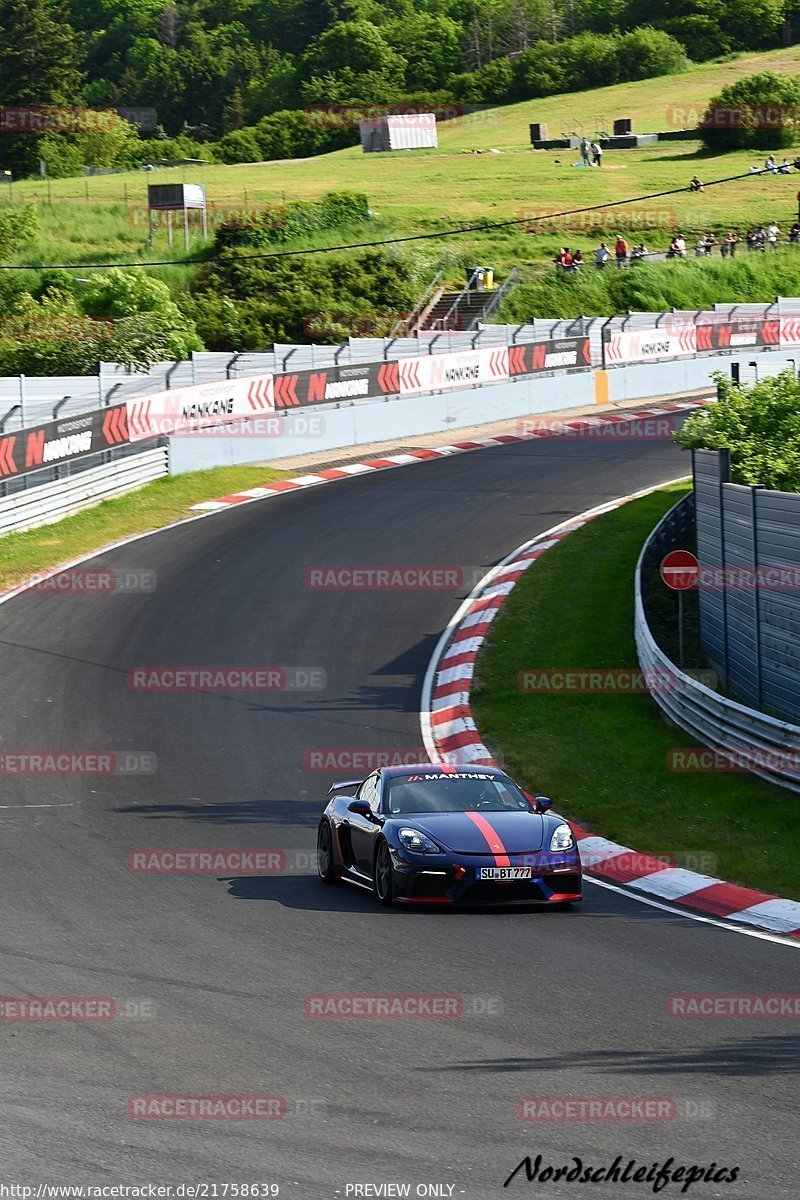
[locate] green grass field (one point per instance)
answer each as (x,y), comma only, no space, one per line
(602,757)
(150,507)
(430,190)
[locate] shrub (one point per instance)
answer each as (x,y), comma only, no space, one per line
(282,223)
(760,425)
(18,227)
(758,112)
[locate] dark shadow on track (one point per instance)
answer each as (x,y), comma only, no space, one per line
(753,1056)
(238,812)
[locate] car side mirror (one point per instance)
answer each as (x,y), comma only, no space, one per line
(360,807)
(543,803)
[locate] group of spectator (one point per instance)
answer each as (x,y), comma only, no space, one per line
(591,153)
(757,239)
(771,167)
(570,260)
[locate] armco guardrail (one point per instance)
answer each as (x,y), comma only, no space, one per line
(764,745)
(191,407)
(63,497)
(212,389)
(730,327)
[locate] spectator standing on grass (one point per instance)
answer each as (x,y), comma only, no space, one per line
(751,239)
(711,242)
(700,246)
(563,258)
(770,165)
(728,244)
(677,247)
(577,261)
(696,185)
(597,153)
(585,153)
(794,232)
(601,255)
(773,233)
(621,251)
(761,238)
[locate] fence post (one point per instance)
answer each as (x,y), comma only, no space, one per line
(756,592)
(723,477)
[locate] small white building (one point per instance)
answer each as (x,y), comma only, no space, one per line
(406,131)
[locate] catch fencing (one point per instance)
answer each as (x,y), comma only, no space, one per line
(45,433)
(769,746)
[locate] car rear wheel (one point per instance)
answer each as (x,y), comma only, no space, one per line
(383,875)
(325,867)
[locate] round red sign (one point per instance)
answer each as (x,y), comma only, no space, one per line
(680,570)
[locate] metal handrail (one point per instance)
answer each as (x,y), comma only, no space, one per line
(464,293)
(509,284)
(711,718)
(408,322)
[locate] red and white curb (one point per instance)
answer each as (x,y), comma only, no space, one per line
(451,735)
(576,424)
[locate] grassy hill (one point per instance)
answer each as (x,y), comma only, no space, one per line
(105,217)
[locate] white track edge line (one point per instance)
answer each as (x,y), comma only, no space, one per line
(433,665)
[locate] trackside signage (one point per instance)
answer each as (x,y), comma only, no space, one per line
(438,372)
(650,345)
(28,450)
(182,410)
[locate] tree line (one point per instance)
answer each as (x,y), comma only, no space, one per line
(240,75)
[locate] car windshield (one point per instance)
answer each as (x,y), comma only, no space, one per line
(455,793)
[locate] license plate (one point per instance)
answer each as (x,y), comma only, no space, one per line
(501,873)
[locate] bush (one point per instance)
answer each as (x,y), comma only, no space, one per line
(760,425)
(747,122)
(649,52)
(272,226)
(245,304)
(18,227)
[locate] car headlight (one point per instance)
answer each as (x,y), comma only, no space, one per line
(562,838)
(417,842)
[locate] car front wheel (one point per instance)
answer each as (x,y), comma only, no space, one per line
(384,875)
(325,867)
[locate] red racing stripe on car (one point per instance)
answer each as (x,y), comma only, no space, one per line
(493,840)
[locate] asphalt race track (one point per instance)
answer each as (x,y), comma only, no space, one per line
(214,970)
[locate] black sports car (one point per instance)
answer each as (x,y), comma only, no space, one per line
(438,834)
